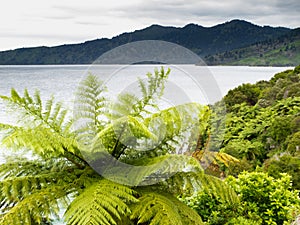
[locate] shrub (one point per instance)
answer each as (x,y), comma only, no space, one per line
(242,221)
(273,200)
(212,209)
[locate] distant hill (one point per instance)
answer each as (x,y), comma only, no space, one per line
(279,51)
(201,40)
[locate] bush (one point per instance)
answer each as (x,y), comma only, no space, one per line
(273,200)
(284,164)
(245,93)
(242,221)
(213,210)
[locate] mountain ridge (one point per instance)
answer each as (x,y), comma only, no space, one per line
(201,40)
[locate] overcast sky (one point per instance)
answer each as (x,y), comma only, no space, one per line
(25,23)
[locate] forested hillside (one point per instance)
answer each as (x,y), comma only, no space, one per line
(279,51)
(201,40)
(263,125)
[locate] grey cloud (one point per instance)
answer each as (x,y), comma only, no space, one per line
(170,12)
(166,10)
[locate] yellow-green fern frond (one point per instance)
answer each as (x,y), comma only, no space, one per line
(104,202)
(160,209)
(45,131)
(91,106)
(41,140)
(145,171)
(116,137)
(33,113)
(189,183)
(175,128)
(35,207)
(209,157)
(219,188)
(184,182)
(151,89)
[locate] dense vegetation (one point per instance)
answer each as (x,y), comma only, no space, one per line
(262,126)
(259,160)
(280,51)
(262,131)
(263,200)
(201,40)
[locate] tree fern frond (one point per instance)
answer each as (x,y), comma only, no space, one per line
(183,182)
(189,183)
(151,90)
(175,128)
(145,171)
(160,209)
(91,104)
(104,202)
(188,216)
(122,132)
(52,116)
(154,170)
(35,207)
(218,188)
(38,100)
(14,189)
(48,109)
(24,167)
(124,106)
(207,157)
(40,140)
(226,158)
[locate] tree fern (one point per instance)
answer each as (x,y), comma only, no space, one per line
(100,160)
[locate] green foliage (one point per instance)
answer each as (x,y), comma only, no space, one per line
(293,143)
(242,221)
(272,200)
(212,208)
(284,164)
(264,93)
(256,133)
(245,93)
(216,202)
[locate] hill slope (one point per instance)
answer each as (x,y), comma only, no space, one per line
(280,51)
(201,40)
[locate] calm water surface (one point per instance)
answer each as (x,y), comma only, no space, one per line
(62,81)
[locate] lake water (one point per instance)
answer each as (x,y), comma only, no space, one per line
(186,82)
